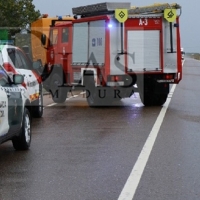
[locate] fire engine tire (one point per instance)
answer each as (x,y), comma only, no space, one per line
(153,99)
(23,141)
(150,97)
(91,97)
(161,99)
(38,107)
(94,98)
(58,92)
(91,94)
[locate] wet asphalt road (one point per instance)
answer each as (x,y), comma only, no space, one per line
(82,153)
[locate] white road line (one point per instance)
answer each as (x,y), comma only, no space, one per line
(68,99)
(133,181)
(50,105)
(71,97)
(75,96)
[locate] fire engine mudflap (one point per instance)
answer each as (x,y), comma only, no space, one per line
(114,47)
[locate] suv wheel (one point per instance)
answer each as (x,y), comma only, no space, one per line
(23,141)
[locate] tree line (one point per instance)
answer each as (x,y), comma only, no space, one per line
(16,15)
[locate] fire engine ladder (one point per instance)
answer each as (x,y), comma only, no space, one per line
(100,8)
(155,8)
(109,8)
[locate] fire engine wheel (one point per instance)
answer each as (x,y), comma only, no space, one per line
(38,107)
(23,141)
(90,88)
(153,99)
(150,97)
(58,92)
(95,99)
(91,96)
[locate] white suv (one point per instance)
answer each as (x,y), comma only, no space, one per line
(15,61)
(15,118)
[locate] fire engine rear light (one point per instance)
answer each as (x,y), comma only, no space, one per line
(116,78)
(169,76)
(9,68)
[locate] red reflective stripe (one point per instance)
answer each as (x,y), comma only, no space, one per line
(24,85)
(39,79)
(9,68)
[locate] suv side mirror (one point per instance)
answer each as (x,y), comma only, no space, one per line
(43,39)
(18,79)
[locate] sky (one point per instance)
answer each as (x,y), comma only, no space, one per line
(189,21)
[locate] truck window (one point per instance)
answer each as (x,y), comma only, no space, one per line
(53,37)
(65,35)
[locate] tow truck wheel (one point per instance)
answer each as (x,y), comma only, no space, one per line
(23,141)
(58,92)
(38,107)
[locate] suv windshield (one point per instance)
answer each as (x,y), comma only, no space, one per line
(18,59)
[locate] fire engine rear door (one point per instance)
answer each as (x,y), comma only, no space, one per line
(144,46)
(117,57)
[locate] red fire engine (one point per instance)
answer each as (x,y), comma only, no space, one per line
(110,47)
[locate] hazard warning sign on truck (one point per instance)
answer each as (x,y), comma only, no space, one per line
(170,15)
(121,15)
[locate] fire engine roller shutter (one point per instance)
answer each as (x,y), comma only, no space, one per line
(144,48)
(167,37)
(97,42)
(117,66)
(170,58)
(80,44)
